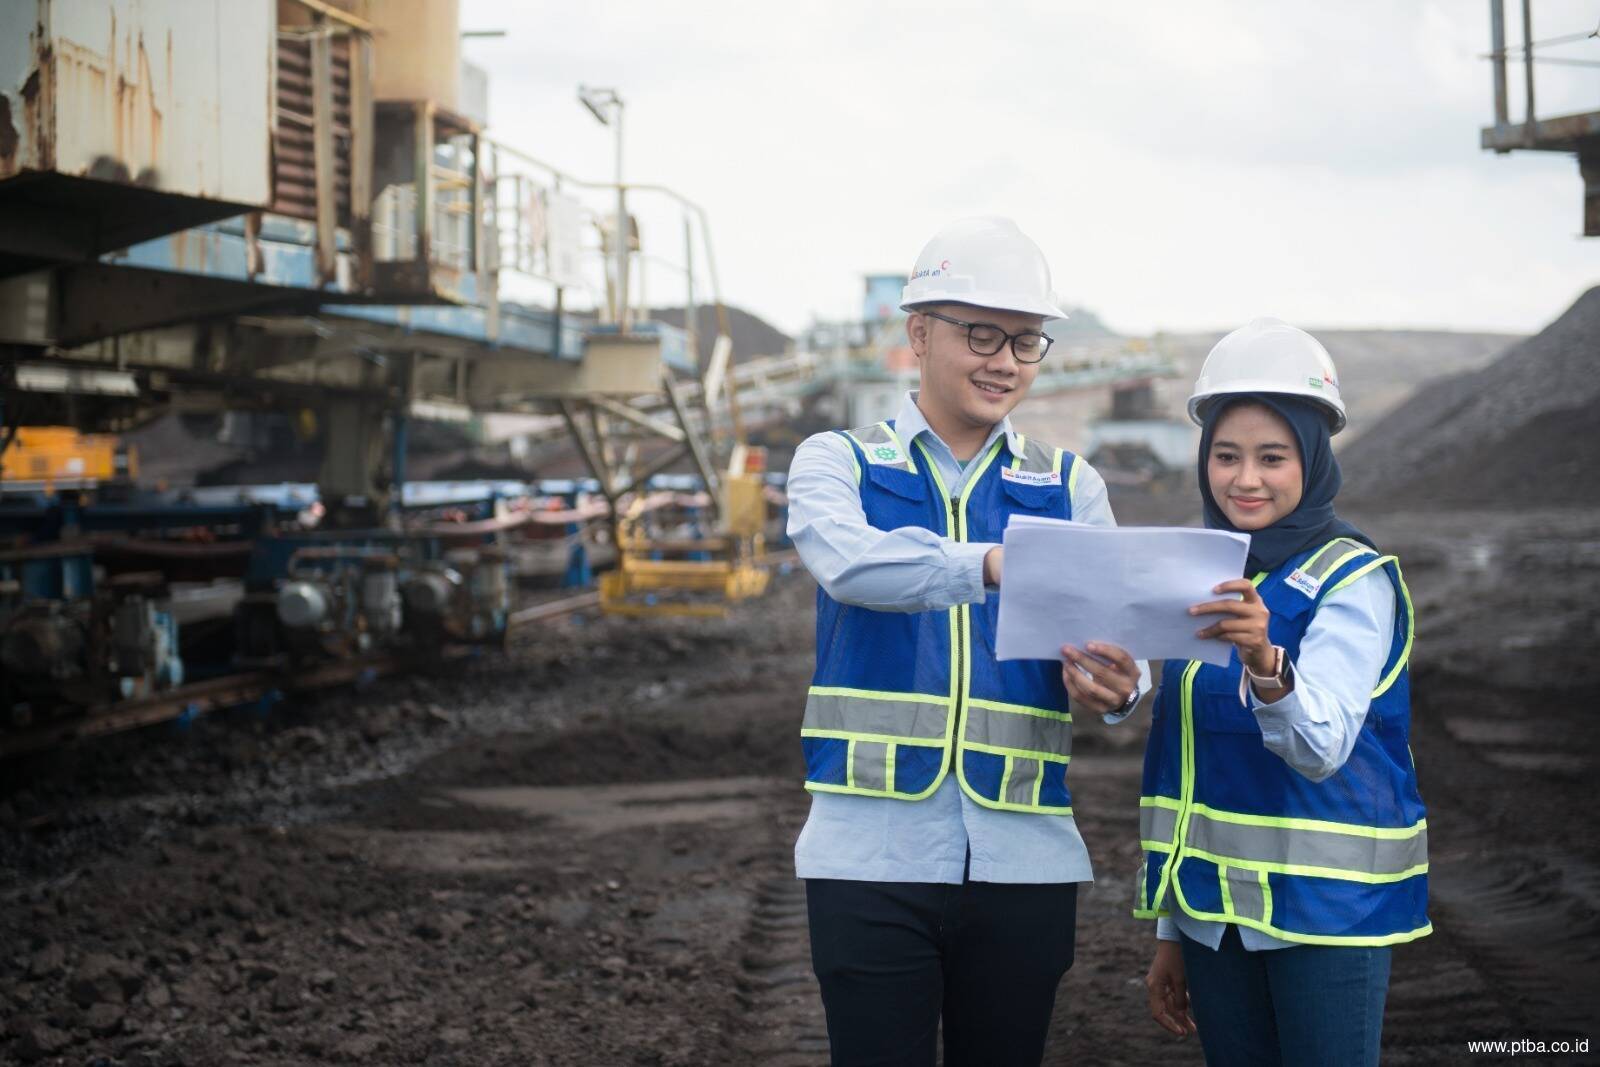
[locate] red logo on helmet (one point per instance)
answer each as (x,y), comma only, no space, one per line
(945,266)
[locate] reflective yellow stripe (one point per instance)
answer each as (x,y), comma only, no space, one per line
(851,735)
(874,694)
(1024,753)
(1072,477)
(1020,709)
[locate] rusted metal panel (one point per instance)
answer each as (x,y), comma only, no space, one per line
(169,95)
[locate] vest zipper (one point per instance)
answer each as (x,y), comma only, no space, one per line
(959,526)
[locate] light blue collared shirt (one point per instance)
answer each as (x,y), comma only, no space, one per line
(912,569)
(1313,729)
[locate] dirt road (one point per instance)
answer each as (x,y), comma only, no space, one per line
(580,852)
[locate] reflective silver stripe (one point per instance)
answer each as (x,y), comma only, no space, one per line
(889,718)
(1010,729)
(1019,787)
(1329,558)
(1244,889)
(1157,824)
(868,437)
(869,764)
(1037,458)
(1296,847)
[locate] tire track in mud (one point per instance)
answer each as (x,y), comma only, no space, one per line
(776,986)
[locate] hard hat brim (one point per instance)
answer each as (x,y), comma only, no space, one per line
(1200,402)
(994,301)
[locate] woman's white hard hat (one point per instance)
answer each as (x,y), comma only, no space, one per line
(1269,356)
(986,262)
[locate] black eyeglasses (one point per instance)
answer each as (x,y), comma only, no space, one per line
(985,339)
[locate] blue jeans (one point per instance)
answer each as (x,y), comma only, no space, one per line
(1309,1006)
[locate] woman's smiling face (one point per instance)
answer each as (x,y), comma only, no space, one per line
(1254,466)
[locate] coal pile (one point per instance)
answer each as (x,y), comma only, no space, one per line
(1517,433)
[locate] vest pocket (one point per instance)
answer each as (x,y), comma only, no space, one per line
(1045,500)
(1216,705)
(901,483)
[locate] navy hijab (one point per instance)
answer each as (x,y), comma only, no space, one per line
(1313,522)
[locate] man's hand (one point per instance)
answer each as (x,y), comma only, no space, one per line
(991,566)
(1112,676)
(1168,990)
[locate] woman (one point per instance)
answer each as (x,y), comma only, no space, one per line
(1285,844)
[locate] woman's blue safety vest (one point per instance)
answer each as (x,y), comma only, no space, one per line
(898,698)
(1231,833)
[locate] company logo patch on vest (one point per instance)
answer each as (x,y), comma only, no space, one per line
(899,701)
(1304,582)
(1027,477)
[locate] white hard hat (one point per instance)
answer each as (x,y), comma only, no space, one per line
(1269,356)
(987,262)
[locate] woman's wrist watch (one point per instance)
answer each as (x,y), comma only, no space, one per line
(1278,678)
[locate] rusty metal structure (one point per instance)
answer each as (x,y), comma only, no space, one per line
(237,205)
(296,226)
(1575,133)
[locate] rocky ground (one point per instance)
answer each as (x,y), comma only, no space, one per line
(578,852)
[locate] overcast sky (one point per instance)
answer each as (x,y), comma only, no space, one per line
(1183,165)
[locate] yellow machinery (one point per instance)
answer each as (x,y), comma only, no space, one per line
(59,456)
(729,567)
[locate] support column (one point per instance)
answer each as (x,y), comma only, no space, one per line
(355,483)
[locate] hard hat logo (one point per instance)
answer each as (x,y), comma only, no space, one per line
(1000,269)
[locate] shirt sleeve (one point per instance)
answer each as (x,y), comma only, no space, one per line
(1314,727)
(909,569)
(1166,929)
(1091,504)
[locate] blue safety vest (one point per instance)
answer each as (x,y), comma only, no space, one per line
(899,698)
(1232,834)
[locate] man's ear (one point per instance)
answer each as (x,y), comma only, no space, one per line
(917,333)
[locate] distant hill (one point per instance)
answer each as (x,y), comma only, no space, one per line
(752,335)
(1080,324)
(1518,432)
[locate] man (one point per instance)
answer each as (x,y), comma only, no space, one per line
(940,857)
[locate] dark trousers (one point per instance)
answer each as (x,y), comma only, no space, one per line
(894,958)
(1310,1006)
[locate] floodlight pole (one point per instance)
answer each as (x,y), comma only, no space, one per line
(606,106)
(622,228)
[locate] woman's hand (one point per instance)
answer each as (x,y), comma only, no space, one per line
(1168,990)
(1244,624)
(1112,676)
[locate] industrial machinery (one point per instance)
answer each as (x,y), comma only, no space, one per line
(70,640)
(52,457)
(256,205)
(669,564)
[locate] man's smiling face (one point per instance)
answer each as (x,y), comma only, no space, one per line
(975,390)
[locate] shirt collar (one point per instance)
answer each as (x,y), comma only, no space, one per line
(910,422)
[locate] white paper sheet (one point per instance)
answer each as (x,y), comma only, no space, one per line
(1066,583)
